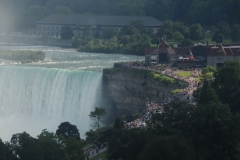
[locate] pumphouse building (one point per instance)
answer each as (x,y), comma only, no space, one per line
(51,25)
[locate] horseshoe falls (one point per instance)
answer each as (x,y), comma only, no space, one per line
(37,98)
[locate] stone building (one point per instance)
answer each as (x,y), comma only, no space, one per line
(164,53)
(52,24)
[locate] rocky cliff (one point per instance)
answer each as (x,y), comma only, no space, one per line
(130,89)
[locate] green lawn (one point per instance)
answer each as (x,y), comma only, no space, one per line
(102,155)
(176,91)
(163,78)
(87,146)
(184,73)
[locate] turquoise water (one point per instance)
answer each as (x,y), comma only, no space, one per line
(66,86)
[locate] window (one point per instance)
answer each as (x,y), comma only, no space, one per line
(153,57)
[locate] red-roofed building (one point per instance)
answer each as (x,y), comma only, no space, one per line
(198,55)
(220,53)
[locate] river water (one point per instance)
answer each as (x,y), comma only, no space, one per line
(66,86)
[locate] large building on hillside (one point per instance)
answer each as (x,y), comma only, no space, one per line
(195,56)
(52,24)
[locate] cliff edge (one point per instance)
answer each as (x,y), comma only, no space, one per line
(131,88)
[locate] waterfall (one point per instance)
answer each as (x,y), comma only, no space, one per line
(33,99)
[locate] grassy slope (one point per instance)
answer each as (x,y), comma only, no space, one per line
(102,155)
(141,73)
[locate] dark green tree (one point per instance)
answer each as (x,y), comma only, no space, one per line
(215,135)
(227,80)
(25,147)
(234,101)
(196,32)
(178,36)
(97,115)
(5,151)
(91,136)
(166,148)
(224,29)
(51,147)
(166,29)
(108,32)
(176,116)
(207,94)
(186,43)
(66,33)
(68,130)
(73,148)
(127,144)
(235,33)
(118,124)
(180,27)
(218,37)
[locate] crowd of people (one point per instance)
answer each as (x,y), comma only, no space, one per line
(158,107)
(95,149)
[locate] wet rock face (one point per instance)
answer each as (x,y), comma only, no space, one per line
(130,91)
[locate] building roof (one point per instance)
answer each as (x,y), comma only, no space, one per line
(182,50)
(165,46)
(98,20)
(220,50)
(149,50)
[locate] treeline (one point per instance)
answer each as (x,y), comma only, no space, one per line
(65,144)
(208,130)
(132,39)
(21,15)
(22,56)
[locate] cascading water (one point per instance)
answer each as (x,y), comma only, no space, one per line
(33,99)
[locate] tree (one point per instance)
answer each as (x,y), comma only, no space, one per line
(166,29)
(177,116)
(166,148)
(5,152)
(186,43)
(86,31)
(235,101)
(224,29)
(214,132)
(66,33)
(227,80)
(235,33)
(180,27)
(73,148)
(118,124)
(127,144)
(218,37)
(51,147)
(91,136)
(196,32)
(207,94)
(178,36)
(25,147)
(97,115)
(68,130)
(108,32)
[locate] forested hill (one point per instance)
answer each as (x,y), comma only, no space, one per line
(21,14)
